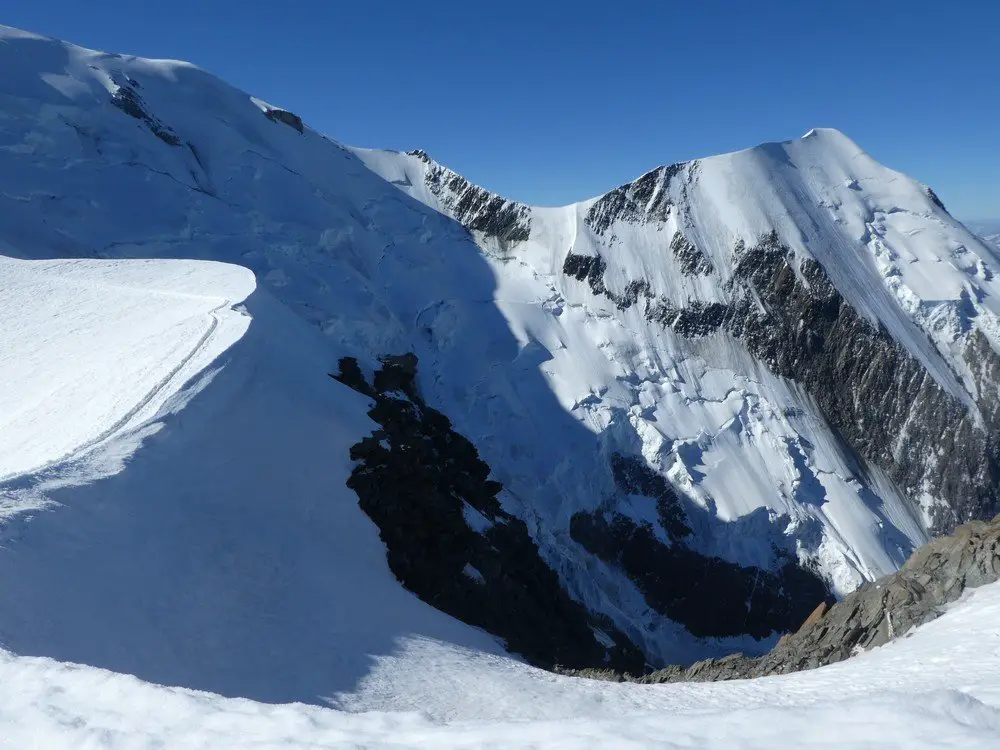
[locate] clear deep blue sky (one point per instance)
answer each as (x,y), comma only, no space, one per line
(551,102)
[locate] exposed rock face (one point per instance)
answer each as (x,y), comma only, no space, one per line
(448,539)
(937,574)
(794,320)
(692,261)
(476,208)
(128,100)
(868,385)
(697,318)
(937,201)
(589,268)
(645,199)
(290,119)
(710,596)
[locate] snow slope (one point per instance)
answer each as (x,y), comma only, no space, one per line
(92,349)
(937,688)
(890,249)
(703,412)
(188,453)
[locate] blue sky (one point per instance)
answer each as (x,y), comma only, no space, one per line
(550,102)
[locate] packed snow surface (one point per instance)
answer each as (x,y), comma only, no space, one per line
(937,688)
(88,348)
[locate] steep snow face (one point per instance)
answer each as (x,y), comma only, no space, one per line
(604,358)
(130,157)
(886,242)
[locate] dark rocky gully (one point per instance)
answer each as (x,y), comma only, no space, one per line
(420,482)
(450,542)
(935,575)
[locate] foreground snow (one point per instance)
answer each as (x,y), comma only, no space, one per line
(938,688)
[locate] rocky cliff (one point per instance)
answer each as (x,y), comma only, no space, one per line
(937,574)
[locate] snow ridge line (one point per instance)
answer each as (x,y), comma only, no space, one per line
(143,402)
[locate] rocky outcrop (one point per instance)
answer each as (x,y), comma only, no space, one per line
(290,119)
(880,398)
(697,318)
(710,596)
(937,201)
(449,540)
(476,208)
(645,199)
(935,575)
(589,268)
(691,260)
(127,99)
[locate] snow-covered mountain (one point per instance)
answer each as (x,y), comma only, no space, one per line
(653,426)
(988,230)
(795,336)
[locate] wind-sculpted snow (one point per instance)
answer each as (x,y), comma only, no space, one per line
(139,329)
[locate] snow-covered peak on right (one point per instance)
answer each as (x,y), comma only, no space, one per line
(839,274)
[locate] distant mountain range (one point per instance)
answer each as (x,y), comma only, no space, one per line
(988,230)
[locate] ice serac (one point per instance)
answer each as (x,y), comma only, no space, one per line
(698,405)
